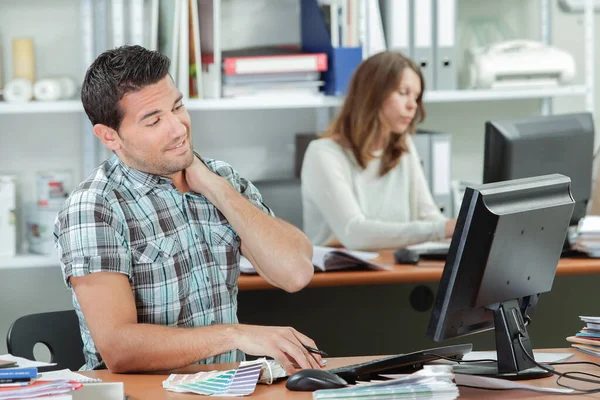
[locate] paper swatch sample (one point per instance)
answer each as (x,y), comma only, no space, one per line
(236,382)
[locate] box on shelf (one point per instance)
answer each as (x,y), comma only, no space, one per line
(53,188)
(8,200)
(40,227)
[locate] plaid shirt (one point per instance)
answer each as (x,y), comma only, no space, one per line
(179,252)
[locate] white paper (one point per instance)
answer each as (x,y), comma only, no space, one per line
(23,362)
(68,375)
(494,383)
(540,357)
(430,247)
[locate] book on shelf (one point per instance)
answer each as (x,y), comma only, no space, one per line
(333,259)
(272,59)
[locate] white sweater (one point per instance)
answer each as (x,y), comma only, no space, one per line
(361,209)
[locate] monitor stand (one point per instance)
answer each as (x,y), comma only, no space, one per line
(512,362)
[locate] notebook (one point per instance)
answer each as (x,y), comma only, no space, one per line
(332,259)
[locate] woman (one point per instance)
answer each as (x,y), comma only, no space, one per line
(362,184)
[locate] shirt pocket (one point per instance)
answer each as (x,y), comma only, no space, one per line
(161,270)
(224,245)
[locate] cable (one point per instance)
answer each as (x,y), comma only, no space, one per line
(566,375)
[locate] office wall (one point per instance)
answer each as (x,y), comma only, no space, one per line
(258,143)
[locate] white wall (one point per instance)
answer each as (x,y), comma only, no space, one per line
(258,143)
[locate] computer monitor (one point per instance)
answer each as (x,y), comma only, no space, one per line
(503,255)
(562,144)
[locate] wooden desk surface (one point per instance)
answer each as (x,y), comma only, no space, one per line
(149,386)
(425,271)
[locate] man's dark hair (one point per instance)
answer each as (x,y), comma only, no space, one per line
(115,73)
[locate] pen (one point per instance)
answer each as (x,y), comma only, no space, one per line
(316,351)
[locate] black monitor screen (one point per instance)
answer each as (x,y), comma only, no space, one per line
(504,253)
(562,144)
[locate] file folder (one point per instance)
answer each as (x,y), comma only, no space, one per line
(396,25)
(422,34)
(422,144)
(440,172)
(434,150)
(444,70)
(341,61)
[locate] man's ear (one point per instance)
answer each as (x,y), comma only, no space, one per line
(108,136)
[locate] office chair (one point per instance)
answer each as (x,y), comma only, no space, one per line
(58,330)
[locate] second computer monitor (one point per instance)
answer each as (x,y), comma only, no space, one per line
(562,144)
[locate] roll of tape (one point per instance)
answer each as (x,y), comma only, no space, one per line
(51,89)
(18,90)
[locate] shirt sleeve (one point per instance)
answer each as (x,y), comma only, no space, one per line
(242,185)
(327,182)
(90,236)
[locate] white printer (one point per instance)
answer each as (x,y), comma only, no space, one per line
(518,63)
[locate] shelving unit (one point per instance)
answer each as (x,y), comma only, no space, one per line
(29,261)
(89,145)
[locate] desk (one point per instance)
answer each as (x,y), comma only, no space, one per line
(149,386)
(425,271)
(362,312)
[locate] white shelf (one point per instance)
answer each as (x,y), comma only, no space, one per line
(291,102)
(503,94)
(28,261)
(264,102)
(64,106)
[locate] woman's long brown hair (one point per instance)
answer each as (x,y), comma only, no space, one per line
(358,124)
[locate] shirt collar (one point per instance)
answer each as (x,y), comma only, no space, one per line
(139,181)
(142,182)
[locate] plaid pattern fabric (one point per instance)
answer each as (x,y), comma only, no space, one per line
(179,252)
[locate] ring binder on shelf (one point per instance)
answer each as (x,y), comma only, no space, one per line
(422,35)
(444,68)
(342,61)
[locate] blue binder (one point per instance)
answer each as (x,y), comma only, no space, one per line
(341,61)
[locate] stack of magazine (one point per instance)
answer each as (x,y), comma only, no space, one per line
(585,236)
(587,340)
(432,382)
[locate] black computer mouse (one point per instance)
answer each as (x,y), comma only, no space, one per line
(308,380)
(406,256)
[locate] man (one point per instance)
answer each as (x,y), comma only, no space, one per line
(150,242)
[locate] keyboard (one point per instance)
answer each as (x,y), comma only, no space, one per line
(399,364)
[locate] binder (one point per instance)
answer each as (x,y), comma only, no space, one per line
(136,21)
(341,61)
(422,34)
(118,23)
(396,25)
(434,150)
(440,172)
(444,70)
(372,41)
(183,63)
(423,145)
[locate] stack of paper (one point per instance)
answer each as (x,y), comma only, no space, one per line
(586,236)
(432,382)
(588,338)
(39,388)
